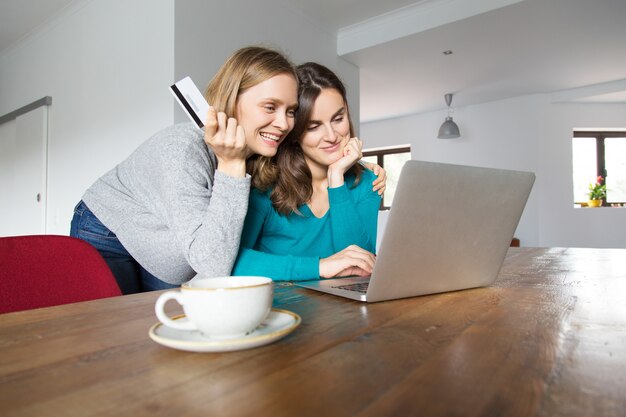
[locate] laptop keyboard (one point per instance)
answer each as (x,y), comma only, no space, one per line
(360,287)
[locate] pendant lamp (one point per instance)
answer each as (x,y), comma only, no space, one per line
(449,129)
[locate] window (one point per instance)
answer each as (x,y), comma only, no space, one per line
(599,153)
(392,159)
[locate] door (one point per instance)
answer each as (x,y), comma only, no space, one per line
(23,173)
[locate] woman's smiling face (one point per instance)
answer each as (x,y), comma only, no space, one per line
(266,112)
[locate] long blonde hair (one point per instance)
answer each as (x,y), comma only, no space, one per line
(244,69)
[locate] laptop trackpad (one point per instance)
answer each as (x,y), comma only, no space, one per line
(351,287)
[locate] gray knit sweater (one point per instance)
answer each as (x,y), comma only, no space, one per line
(169,207)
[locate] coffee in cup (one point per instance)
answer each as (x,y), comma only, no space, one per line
(223,307)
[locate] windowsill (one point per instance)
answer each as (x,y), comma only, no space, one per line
(611,205)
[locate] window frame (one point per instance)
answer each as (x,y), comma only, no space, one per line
(380,153)
(600,136)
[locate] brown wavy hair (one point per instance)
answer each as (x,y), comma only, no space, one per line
(244,69)
(291,177)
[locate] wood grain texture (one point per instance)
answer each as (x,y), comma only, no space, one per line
(547,339)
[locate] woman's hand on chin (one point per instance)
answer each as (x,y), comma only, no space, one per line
(351,154)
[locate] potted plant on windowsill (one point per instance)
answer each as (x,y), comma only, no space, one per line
(597,192)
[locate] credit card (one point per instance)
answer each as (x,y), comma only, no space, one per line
(191,100)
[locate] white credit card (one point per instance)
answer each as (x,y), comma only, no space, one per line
(191,100)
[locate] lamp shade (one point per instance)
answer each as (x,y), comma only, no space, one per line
(449,130)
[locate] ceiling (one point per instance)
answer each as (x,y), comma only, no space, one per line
(574,50)
(19,18)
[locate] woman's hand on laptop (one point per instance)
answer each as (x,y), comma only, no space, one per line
(353,260)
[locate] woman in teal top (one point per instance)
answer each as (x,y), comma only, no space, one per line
(312,212)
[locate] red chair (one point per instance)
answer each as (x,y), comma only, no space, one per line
(48,270)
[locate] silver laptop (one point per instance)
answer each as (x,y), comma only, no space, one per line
(449,229)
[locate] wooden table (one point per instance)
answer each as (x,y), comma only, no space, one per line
(547,339)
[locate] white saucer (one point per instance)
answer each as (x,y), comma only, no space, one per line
(278,324)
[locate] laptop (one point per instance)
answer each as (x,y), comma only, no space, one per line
(449,229)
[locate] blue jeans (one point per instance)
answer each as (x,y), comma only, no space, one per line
(129,274)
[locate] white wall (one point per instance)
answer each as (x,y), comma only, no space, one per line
(524,133)
(560,224)
(107,65)
(208,32)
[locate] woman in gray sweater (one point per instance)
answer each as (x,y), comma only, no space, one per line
(175,207)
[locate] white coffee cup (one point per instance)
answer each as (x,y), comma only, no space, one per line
(223,307)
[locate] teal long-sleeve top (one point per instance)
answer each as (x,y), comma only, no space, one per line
(289,247)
